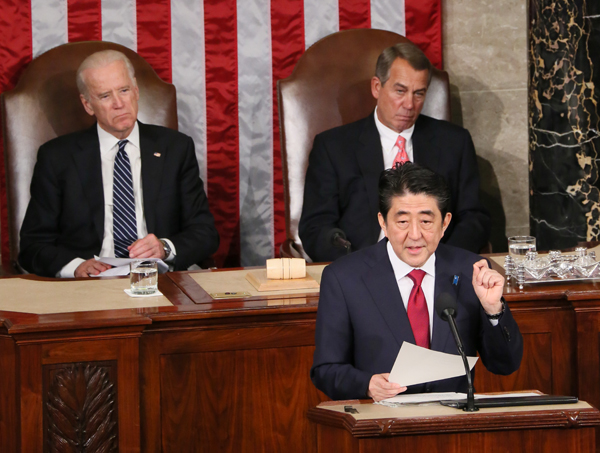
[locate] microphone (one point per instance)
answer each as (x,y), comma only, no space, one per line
(445,307)
(337,238)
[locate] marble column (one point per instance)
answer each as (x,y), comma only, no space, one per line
(564,79)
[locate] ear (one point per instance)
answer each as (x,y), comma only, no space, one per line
(375,87)
(382,223)
(86,105)
(446,222)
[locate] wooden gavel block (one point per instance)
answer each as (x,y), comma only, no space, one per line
(286,268)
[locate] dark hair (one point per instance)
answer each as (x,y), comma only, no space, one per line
(405,51)
(412,179)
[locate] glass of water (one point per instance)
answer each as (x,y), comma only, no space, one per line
(143,277)
(518,246)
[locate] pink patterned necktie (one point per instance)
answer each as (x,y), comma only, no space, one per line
(418,315)
(401,157)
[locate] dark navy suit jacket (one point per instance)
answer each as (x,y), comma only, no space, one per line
(362,322)
(341,188)
(65,216)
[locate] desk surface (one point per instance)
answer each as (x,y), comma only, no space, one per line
(57,296)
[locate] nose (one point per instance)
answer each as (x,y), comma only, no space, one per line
(414,231)
(409,101)
(117,101)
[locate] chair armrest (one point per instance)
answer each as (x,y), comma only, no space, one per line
(288,249)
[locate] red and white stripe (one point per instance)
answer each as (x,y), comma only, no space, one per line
(224,58)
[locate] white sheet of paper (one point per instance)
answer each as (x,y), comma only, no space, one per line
(416,365)
(506,395)
(114,271)
(121,265)
(420,398)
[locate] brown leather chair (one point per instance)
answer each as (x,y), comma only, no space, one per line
(45,104)
(331,86)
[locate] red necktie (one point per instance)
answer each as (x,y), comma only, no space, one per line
(418,315)
(401,157)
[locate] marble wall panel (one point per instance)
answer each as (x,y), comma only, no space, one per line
(564,65)
(485,54)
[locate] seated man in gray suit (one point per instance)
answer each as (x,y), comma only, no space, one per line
(344,165)
(121,188)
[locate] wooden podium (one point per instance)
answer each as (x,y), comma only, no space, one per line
(431,428)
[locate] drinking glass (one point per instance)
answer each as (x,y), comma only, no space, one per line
(143,277)
(518,246)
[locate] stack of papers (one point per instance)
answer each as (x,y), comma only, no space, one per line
(425,398)
(121,265)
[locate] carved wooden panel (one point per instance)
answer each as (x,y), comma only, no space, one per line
(80,407)
(238,401)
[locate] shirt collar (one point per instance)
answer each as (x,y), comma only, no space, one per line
(109,141)
(401,269)
(390,135)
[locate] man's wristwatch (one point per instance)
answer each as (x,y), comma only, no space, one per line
(498,315)
(166,247)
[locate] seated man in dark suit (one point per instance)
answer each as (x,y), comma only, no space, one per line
(121,188)
(340,192)
(375,299)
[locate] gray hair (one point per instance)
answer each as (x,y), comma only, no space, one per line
(100,60)
(405,51)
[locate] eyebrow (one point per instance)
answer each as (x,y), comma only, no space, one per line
(108,91)
(400,85)
(426,212)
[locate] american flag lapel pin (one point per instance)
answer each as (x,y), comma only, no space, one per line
(156,154)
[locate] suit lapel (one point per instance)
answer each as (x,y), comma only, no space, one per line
(89,168)
(381,284)
(153,158)
(423,150)
(444,278)
(370,161)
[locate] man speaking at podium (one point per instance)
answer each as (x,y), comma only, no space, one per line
(121,188)
(375,299)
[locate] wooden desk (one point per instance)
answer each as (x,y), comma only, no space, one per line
(532,429)
(224,376)
(233,375)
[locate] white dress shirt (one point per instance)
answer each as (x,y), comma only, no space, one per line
(405,284)
(388,139)
(109,147)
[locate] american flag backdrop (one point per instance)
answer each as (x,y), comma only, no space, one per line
(224,57)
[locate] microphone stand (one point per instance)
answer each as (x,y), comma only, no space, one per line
(470,407)
(338,239)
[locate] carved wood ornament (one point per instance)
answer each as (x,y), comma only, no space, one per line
(80,408)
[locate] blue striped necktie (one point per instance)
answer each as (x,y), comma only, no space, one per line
(124,221)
